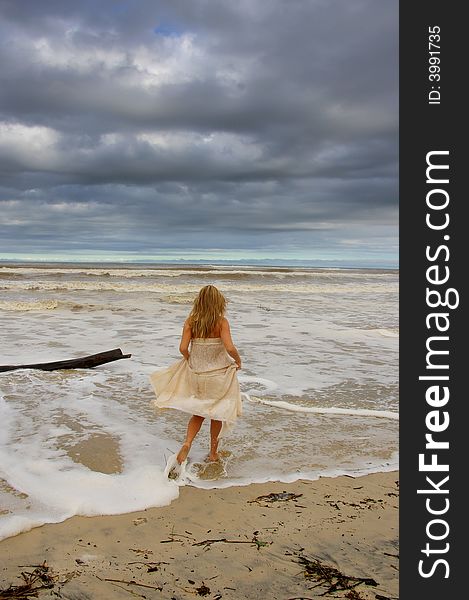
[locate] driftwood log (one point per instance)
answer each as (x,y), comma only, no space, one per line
(86,362)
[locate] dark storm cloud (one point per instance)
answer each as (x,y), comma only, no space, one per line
(145,124)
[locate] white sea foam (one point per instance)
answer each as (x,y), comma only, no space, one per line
(393,333)
(176,272)
(168,289)
(55,487)
(56,495)
(267,384)
(355,412)
(392,464)
(17,305)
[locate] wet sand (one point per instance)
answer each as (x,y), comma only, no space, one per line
(223,544)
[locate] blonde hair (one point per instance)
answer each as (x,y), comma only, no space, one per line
(208,310)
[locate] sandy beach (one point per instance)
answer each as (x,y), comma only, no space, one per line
(320,397)
(224,543)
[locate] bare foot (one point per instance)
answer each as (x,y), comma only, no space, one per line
(183,452)
(213,457)
(173,473)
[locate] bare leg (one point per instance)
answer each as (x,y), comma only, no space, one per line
(195,423)
(215,428)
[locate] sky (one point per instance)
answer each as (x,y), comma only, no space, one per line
(199,129)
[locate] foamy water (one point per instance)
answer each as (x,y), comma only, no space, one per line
(319,381)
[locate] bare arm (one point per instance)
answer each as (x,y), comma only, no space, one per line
(185,340)
(225,335)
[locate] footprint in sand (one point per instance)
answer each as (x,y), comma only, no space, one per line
(212,470)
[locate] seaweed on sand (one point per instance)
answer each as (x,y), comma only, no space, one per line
(276,497)
(39,579)
(325,575)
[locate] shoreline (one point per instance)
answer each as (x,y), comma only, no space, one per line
(226,541)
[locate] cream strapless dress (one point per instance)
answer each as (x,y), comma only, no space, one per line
(205,385)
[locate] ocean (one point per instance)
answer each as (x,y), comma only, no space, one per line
(319,382)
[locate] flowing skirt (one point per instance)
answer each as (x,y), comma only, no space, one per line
(205,385)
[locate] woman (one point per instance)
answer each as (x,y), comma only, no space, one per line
(204,383)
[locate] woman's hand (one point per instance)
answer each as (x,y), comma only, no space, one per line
(238,366)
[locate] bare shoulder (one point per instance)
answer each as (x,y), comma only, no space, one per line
(224,324)
(187,325)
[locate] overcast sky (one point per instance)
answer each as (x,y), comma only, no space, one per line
(199,128)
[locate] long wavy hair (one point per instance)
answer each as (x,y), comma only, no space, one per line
(209,308)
